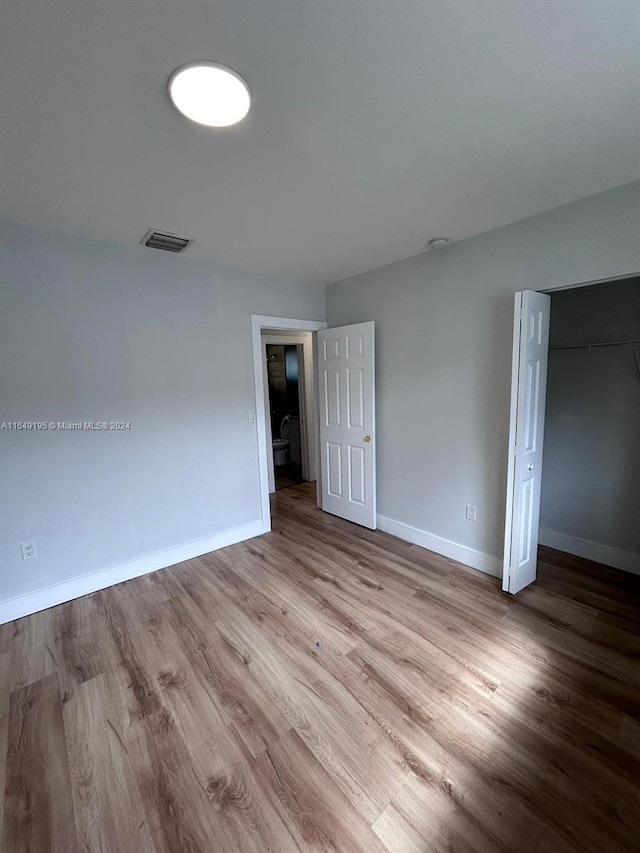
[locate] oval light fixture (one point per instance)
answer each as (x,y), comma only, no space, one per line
(209,94)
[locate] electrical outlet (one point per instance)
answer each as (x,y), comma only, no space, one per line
(251,416)
(470,513)
(28,550)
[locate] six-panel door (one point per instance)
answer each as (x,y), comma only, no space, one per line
(347,422)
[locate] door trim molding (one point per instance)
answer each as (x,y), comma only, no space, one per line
(260,322)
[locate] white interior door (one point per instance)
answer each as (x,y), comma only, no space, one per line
(526,434)
(346,379)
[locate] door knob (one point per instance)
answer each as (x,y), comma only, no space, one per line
(530,467)
(367,438)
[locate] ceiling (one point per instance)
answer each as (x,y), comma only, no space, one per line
(375,125)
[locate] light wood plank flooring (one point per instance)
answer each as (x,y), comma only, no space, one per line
(325,687)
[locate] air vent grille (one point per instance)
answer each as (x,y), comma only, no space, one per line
(165,241)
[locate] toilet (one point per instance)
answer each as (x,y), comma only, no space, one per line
(281,445)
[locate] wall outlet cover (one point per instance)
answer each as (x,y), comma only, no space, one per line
(28,550)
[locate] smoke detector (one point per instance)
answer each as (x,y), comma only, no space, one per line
(165,241)
(438,243)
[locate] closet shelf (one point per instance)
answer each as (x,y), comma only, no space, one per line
(599,345)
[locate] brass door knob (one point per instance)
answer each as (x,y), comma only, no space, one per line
(367,438)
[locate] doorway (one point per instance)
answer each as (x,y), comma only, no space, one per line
(591,470)
(284,331)
(288,414)
(339,381)
(609,325)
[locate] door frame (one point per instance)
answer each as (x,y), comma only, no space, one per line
(512,412)
(260,323)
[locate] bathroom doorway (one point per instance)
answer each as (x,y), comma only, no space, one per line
(284,363)
(289,407)
(285,330)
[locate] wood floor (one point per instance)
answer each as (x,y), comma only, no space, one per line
(287,475)
(325,687)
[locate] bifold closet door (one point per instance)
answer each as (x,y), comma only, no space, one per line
(526,434)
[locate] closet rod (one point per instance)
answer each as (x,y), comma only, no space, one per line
(632,343)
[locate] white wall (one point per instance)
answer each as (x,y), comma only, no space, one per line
(92,331)
(591,474)
(443,352)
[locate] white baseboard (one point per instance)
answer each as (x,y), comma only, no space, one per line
(461,553)
(625,560)
(32,602)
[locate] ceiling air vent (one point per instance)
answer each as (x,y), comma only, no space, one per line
(165,241)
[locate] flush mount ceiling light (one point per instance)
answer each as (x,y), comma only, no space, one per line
(209,94)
